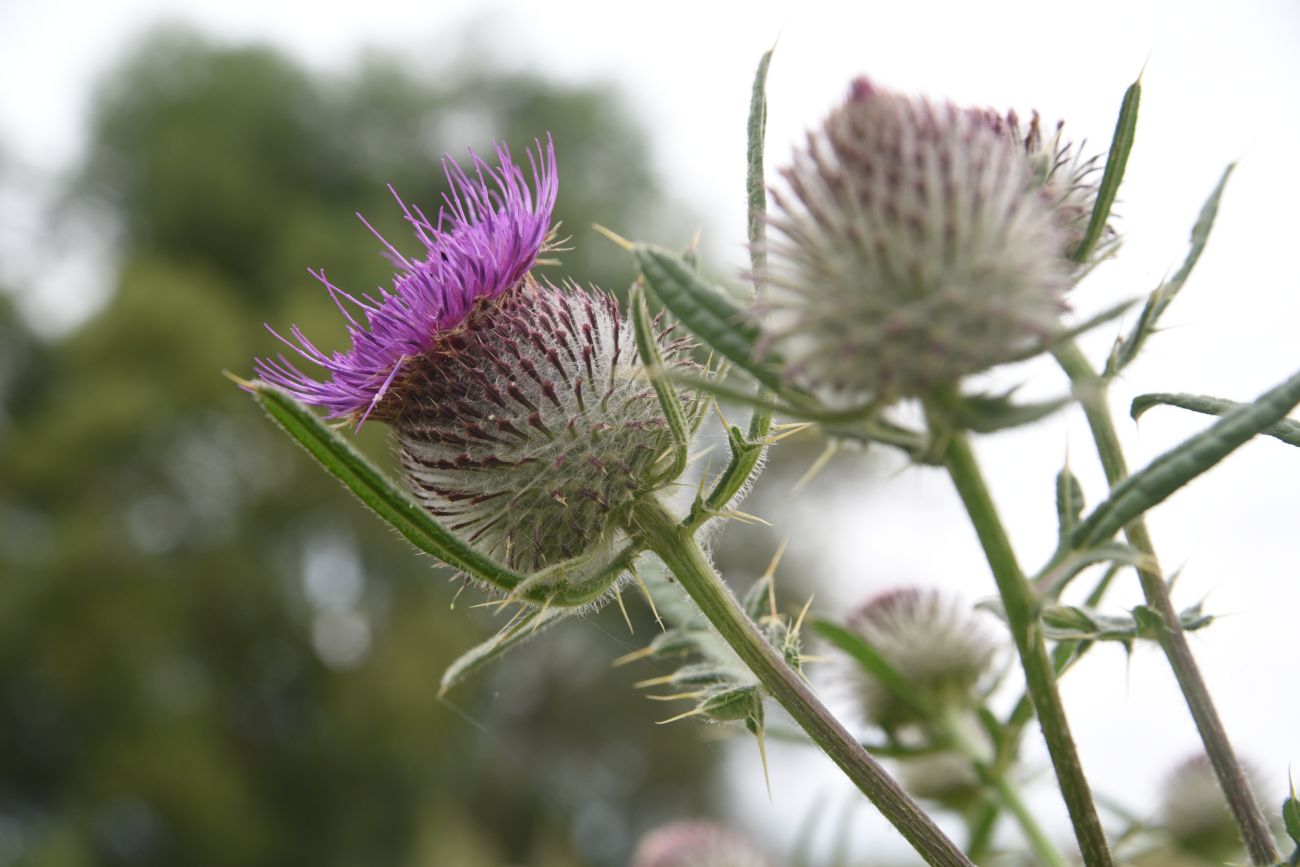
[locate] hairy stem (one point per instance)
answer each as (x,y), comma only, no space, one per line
(677,547)
(1008,798)
(1021,603)
(1092,394)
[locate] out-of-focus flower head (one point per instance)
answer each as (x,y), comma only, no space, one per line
(915,243)
(698,844)
(935,644)
(1194,812)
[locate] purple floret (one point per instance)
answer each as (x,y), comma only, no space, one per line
(488,234)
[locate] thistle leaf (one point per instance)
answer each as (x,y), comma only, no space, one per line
(395,506)
(1069,501)
(1178,466)
(1164,294)
(1116,161)
(1287,430)
(755,181)
(704,310)
(520,630)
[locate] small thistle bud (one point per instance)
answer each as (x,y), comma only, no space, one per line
(1195,814)
(916,243)
(940,649)
(698,844)
(522,417)
(946,778)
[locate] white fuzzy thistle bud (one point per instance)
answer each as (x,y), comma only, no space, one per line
(917,243)
(939,648)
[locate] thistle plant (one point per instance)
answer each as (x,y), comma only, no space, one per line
(546,439)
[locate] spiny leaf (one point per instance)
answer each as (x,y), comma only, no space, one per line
(1078,623)
(525,627)
(1178,466)
(704,310)
(1116,161)
(1287,430)
(395,506)
(755,182)
(1164,294)
(989,413)
(1054,579)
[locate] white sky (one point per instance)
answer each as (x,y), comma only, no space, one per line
(1221,83)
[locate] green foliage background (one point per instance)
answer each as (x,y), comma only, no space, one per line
(175,574)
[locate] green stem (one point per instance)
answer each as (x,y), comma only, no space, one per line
(676,546)
(1008,797)
(1092,394)
(1020,602)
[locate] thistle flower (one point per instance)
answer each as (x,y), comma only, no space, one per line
(521,415)
(698,844)
(916,243)
(939,648)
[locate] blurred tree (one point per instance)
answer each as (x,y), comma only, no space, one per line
(211,655)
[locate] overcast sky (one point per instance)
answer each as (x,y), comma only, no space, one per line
(1221,83)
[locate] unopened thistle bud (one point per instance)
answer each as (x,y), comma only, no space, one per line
(941,651)
(698,844)
(916,243)
(522,417)
(1194,812)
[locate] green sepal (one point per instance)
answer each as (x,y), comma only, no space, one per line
(871,661)
(1127,349)
(395,506)
(1287,430)
(527,625)
(1154,483)
(1116,161)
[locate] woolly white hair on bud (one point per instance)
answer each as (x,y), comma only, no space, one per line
(914,244)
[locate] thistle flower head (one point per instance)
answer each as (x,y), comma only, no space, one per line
(531,429)
(698,844)
(522,417)
(486,236)
(938,647)
(915,243)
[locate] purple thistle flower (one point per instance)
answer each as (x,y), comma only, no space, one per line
(488,234)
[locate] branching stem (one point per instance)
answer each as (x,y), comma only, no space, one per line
(1021,603)
(677,547)
(1092,394)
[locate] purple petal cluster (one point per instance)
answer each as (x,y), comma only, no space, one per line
(488,234)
